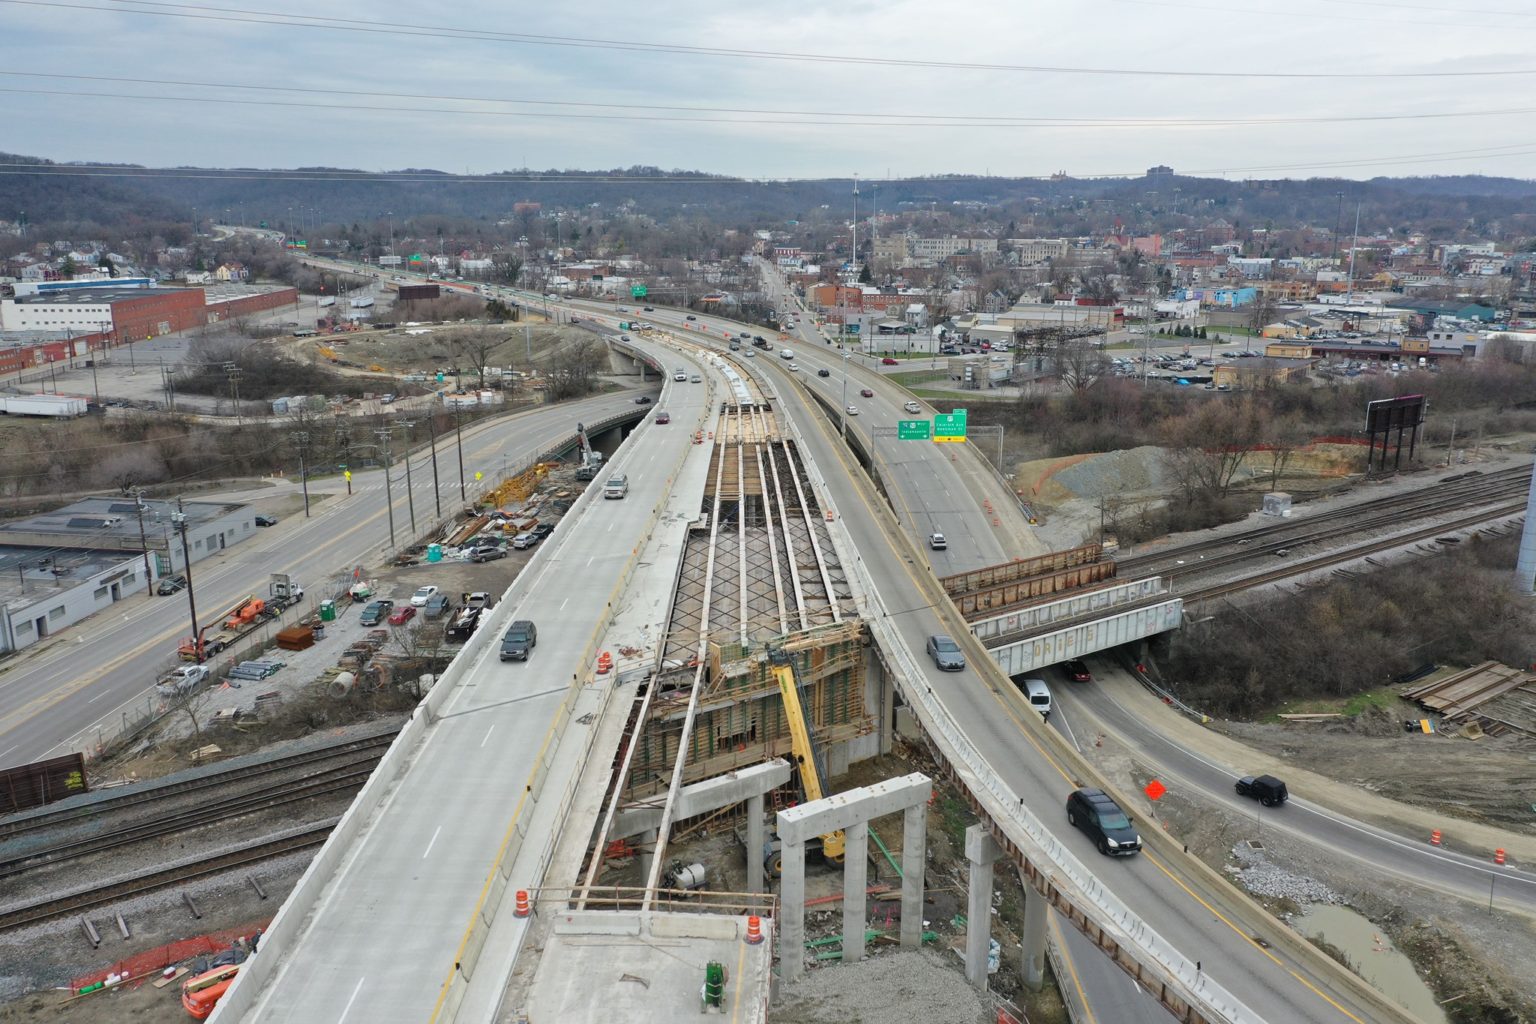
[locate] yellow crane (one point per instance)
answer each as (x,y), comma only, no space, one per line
(833,844)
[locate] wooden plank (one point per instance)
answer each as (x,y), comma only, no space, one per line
(161,983)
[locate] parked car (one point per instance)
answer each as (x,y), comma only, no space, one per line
(519,640)
(437,606)
(946,654)
(866,393)
(663,417)
(1102,820)
(643,400)
(171,584)
(823,372)
(524,540)
(487,553)
(266,521)
(182,680)
(423,595)
(400,616)
(543,530)
(1266,789)
(888,361)
(374,612)
(912,407)
(1077,671)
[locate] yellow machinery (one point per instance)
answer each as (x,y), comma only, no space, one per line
(833,844)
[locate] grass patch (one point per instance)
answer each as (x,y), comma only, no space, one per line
(1383,699)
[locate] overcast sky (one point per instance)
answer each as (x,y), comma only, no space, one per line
(900,88)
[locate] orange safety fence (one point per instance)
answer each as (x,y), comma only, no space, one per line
(146,966)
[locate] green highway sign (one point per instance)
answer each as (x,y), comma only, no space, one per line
(912,430)
(637,291)
(949,427)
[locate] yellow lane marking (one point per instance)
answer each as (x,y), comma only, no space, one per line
(1066,958)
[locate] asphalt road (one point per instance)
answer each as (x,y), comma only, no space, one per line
(54,697)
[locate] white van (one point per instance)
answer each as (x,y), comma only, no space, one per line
(785,353)
(1039,696)
(616,487)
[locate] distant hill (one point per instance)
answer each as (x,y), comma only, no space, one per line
(52,193)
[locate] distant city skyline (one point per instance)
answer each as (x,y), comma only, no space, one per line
(1337,88)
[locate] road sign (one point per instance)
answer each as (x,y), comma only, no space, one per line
(850,328)
(949,427)
(1155,790)
(912,430)
(637,291)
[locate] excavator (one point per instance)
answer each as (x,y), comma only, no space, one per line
(807,761)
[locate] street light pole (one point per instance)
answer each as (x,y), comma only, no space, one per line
(149,581)
(437,496)
(301,439)
(410,491)
(458,430)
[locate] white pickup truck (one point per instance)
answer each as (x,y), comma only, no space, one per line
(180,681)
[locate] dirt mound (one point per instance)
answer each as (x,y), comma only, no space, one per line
(1135,471)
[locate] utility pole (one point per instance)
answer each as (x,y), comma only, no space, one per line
(301,441)
(459,432)
(179,522)
(233,371)
(410,491)
(437,497)
(389,495)
(149,576)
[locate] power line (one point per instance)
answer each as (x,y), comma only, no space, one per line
(801,117)
(248,17)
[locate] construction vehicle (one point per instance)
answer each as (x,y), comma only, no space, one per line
(241,618)
(807,760)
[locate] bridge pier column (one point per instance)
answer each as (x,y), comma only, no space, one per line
(650,853)
(755,841)
(792,910)
(1035,912)
(855,878)
(884,698)
(914,862)
(981,851)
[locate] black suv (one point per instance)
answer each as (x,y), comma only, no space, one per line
(1266,789)
(520,638)
(1102,819)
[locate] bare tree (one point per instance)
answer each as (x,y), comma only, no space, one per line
(129,469)
(1263,311)
(473,347)
(1208,446)
(572,371)
(1282,437)
(1080,363)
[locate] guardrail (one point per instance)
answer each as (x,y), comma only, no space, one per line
(1055,873)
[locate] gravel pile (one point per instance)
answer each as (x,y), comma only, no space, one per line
(1130,471)
(890,988)
(1261,878)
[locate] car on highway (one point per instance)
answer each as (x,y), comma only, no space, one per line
(438,606)
(1093,812)
(519,640)
(1077,671)
(823,372)
(266,521)
(487,553)
(1038,694)
(422,595)
(936,541)
(524,540)
(1266,789)
(866,393)
(695,379)
(748,353)
(888,361)
(643,400)
(794,367)
(912,407)
(400,616)
(171,585)
(680,376)
(663,416)
(650,309)
(692,317)
(946,654)
(374,612)
(852,410)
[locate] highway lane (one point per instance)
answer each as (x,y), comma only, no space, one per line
(384,933)
(1200,923)
(1378,850)
(52,700)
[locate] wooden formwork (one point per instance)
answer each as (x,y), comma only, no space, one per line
(994,600)
(1023,568)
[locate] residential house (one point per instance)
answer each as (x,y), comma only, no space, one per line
(232,271)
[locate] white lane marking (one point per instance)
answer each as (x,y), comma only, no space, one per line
(487,735)
(348,1008)
(96,698)
(610,528)
(8,749)
(589,561)
(564,603)
(1068,728)
(433,841)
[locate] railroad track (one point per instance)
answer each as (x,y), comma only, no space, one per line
(1334,523)
(344,777)
(164,878)
(1335,558)
(213,780)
